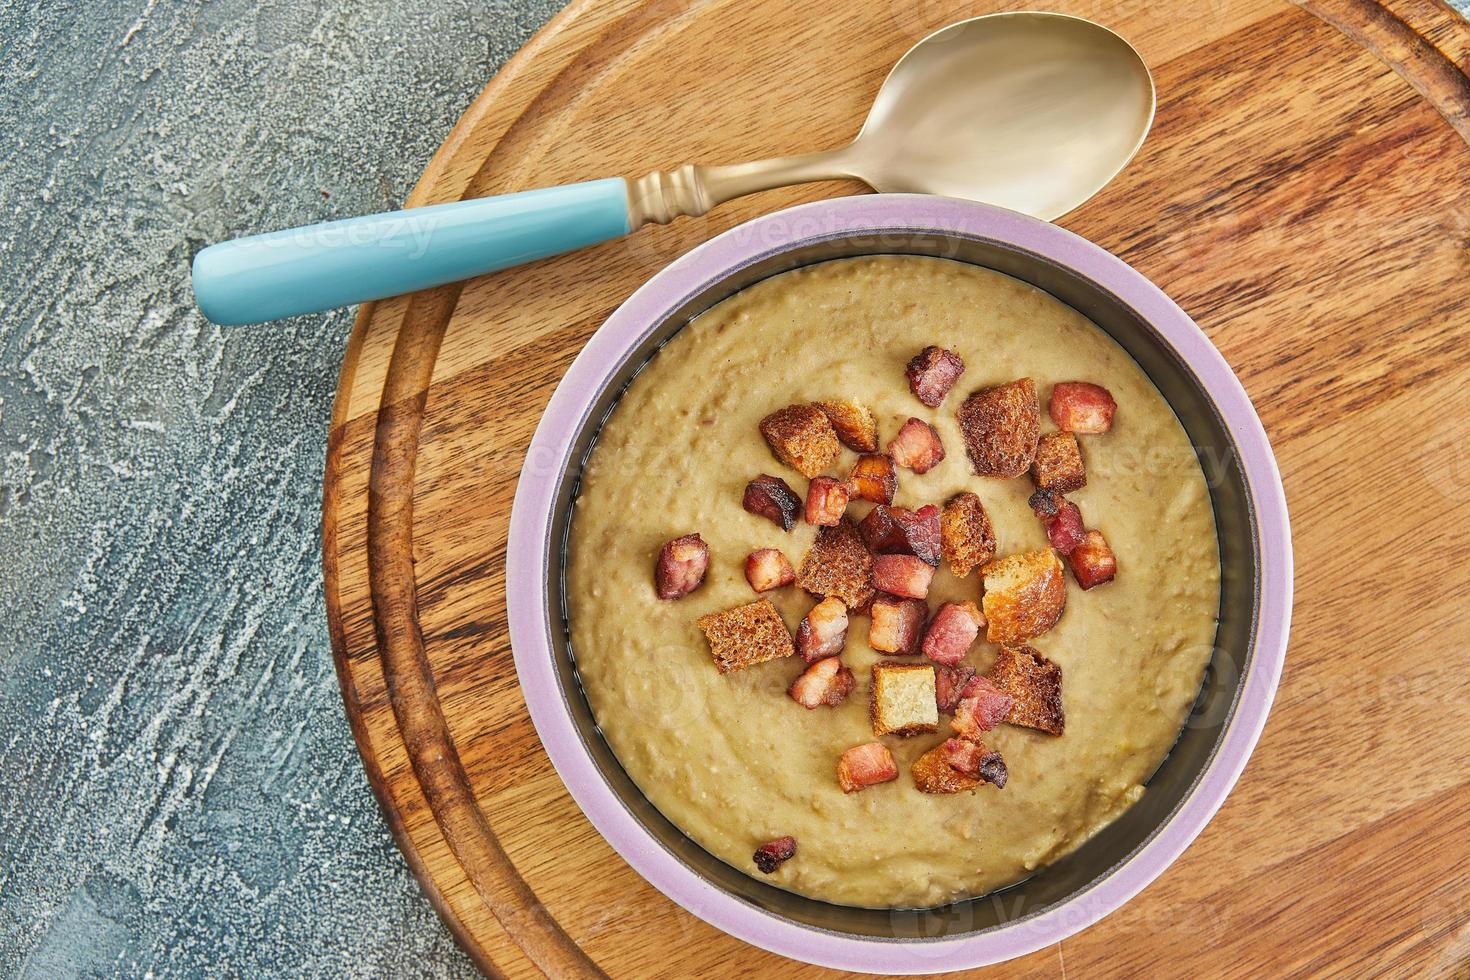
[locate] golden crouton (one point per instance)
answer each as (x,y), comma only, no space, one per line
(839,564)
(1058,465)
(802,437)
(745,635)
(855,424)
(933,774)
(903,699)
(1035,683)
(1024,596)
(965,536)
(1001,426)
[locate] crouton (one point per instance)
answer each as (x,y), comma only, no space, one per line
(966,537)
(771,855)
(981,707)
(902,575)
(895,625)
(952,632)
(932,372)
(838,564)
(1058,465)
(823,631)
(746,635)
(932,773)
(903,699)
(916,446)
(865,765)
(772,498)
(826,501)
(1035,685)
(681,565)
(1024,596)
(826,682)
(1079,406)
(1002,426)
(802,437)
(854,424)
(768,569)
(873,478)
(1092,561)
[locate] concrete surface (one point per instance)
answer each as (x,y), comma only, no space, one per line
(179,793)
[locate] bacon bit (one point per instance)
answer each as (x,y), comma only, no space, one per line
(1080,406)
(771,497)
(823,632)
(1001,426)
(916,446)
(1092,561)
(1024,595)
(1065,530)
(770,856)
(826,501)
(1058,465)
(882,532)
(896,624)
(873,478)
(855,425)
(952,632)
(826,682)
(802,437)
(768,569)
(865,765)
(681,566)
(956,765)
(922,533)
(966,538)
(982,706)
(932,372)
(949,684)
(902,575)
(962,755)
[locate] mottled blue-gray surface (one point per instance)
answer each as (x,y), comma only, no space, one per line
(179,791)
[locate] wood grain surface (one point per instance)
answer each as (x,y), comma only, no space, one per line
(1305,196)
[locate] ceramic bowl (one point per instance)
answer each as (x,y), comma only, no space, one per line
(1256,583)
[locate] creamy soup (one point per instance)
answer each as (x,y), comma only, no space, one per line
(733,761)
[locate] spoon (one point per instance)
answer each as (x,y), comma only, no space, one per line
(1030,111)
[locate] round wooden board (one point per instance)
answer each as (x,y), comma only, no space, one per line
(1305,195)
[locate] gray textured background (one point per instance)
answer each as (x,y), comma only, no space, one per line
(179,792)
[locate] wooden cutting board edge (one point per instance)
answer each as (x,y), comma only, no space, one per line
(1424,41)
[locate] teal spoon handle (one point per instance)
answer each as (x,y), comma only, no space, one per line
(305,270)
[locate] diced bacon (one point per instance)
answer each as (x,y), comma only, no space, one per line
(768,569)
(949,683)
(823,632)
(1065,530)
(865,765)
(771,855)
(982,706)
(932,372)
(681,566)
(826,682)
(1080,406)
(963,755)
(902,575)
(917,446)
(873,478)
(826,501)
(956,766)
(1092,561)
(952,632)
(922,533)
(770,497)
(895,624)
